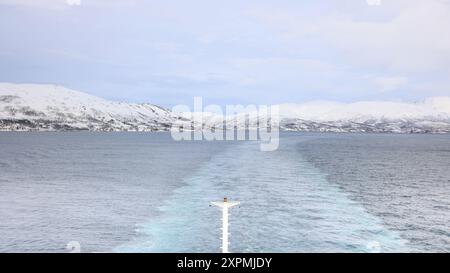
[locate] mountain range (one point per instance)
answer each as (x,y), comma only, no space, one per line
(38,107)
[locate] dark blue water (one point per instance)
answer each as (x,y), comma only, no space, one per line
(144,192)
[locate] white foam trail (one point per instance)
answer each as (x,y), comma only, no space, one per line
(306,212)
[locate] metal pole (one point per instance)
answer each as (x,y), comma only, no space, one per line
(225,229)
(225,205)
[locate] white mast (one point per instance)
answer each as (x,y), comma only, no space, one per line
(225,205)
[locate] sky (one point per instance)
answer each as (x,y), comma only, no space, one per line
(230,52)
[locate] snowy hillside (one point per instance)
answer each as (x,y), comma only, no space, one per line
(433,108)
(50,107)
(432,115)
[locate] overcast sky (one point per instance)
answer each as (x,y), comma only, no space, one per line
(234,51)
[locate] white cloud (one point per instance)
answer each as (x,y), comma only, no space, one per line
(398,35)
(290,71)
(387,84)
(290,51)
(57,4)
(415,40)
(34,3)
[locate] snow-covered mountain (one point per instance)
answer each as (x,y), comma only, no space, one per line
(429,116)
(50,107)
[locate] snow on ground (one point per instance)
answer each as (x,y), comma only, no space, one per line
(52,107)
(433,108)
(52,103)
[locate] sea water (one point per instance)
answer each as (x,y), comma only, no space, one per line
(144,192)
